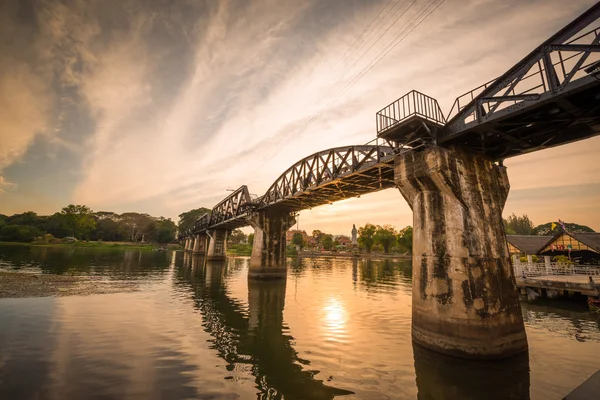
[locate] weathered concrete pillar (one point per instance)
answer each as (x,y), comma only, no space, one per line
(217,245)
(268,260)
(464,296)
(186,247)
(200,243)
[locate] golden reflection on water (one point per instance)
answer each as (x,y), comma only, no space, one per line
(335,318)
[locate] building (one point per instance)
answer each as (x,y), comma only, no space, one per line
(582,246)
(526,244)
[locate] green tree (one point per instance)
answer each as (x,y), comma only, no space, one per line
(189,218)
(237,237)
(79,220)
(327,241)
(19,233)
(251,239)
(298,239)
(514,225)
(546,229)
(318,235)
(405,239)
(366,236)
(385,236)
(165,230)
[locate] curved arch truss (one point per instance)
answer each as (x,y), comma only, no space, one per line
(332,175)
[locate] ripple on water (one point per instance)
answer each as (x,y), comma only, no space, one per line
(195,330)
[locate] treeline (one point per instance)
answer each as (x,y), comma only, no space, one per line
(514,225)
(386,238)
(80,222)
(370,238)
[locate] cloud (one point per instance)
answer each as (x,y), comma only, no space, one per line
(5,185)
(188,99)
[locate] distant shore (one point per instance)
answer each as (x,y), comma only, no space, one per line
(330,254)
(96,245)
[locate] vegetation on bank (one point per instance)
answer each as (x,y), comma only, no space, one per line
(77,223)
(514,225)
(371,237)
(95,245)
(240,249)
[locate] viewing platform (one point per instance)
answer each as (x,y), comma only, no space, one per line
(553,279)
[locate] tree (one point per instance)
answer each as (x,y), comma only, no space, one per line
(79,220)
(518,225)
(19,233)
(385,236)
(251,239)
(237,237)
(546,229)
(405,239)
(165,230)
(318,235)
(366,236)
(327,241)
(298,239)
(189,218)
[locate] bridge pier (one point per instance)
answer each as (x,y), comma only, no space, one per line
(268,260)
(200,243)
(188,243)
(217,245)
(464,295)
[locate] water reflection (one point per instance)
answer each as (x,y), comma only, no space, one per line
(441,377)
(111,263)
(256,337)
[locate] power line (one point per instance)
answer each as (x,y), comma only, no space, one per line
(390,46)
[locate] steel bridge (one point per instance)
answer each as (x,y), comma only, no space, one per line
(550,98)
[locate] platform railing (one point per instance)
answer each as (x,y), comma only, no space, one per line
(412,103)
(524,269)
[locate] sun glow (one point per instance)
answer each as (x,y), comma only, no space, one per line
(335,316)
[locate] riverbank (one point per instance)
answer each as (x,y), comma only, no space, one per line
(96,245)
(18,284)
(372,256)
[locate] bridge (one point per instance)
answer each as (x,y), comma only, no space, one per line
(450,171)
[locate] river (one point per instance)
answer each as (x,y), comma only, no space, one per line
(196,330)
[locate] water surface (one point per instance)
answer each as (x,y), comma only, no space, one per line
(336,327)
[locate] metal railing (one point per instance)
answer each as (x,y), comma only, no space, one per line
(412,103)
(524,270)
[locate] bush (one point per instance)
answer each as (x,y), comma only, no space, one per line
(523,259)
(19,233)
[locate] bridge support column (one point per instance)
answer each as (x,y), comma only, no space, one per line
(217,245)
(268,260)
(464,295)
(200,243)
(188,242)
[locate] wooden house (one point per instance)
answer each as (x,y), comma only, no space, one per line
(526,244)
(584,246)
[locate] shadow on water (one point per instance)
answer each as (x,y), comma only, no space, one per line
(255,336)
(441,377)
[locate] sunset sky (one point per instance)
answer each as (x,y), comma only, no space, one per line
(160,106)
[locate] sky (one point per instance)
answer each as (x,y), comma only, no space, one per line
(160,106)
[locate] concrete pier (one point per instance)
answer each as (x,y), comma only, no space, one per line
(268,260)
(217,245)
(200,244)
(465,300)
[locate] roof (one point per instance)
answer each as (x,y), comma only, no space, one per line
(590,239)
(528,244)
